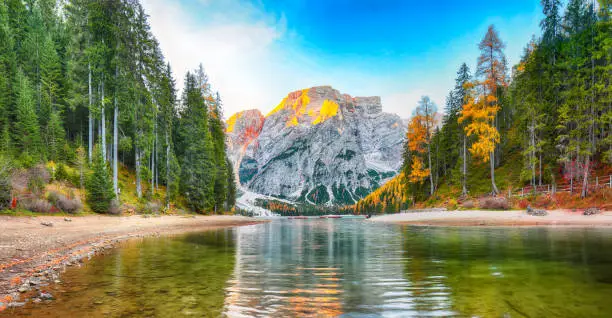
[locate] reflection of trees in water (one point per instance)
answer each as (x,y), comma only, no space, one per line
(314,267)
(532,272)
(151,277)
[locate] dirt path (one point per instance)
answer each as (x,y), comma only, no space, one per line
(497,218)
(32,253)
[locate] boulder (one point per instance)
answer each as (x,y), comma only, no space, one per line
(591,211)
(536,212)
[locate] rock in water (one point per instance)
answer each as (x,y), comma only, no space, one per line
(45,296)
(317,146)
(591,211)
(46,223)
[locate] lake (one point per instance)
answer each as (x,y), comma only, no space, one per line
(344,267)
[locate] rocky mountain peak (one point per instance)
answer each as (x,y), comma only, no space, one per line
(317,146)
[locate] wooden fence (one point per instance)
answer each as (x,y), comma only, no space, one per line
(594,184)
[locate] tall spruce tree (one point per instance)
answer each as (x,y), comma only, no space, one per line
(99,185)
(197,163)
(27,130)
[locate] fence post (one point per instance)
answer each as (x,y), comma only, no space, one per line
(611,181)
(522,192)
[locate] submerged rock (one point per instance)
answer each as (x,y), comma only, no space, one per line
(45,296)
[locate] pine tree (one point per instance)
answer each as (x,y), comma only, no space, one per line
(27,132)
(218,138)
(454,141)
(230,200)
(7,62)
(197,164)
(55,136)
(99,185)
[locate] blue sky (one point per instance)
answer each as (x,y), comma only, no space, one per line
(256,51)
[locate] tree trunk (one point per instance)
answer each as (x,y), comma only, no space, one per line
(103,123)
(464,174)
(156,159)
(152,185)
(167,172)
(116,147)
(585,177)
(492,160)
(138,183)
(540,176)
(532,152)
(90,127)
(430,169)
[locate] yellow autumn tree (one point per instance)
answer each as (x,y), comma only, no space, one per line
(482,104)
(417,140)
(479,111)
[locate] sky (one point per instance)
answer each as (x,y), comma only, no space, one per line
(257,51)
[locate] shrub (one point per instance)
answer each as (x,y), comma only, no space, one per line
(64,203)
(469,204)
(5,183)
(152,208)
(543,201)
(69,205)
(38,177)
(36,205)
(494,203)
(53,197)
(523,204)
(61,174)
(100,186)
(451,205)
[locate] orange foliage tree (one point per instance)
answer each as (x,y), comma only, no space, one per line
(417,140)
(482,102)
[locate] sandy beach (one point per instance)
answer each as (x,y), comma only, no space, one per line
(29,248)
(497,218)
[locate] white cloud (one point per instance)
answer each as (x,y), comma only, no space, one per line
(250,59)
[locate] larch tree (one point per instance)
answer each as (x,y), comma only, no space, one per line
(483,109)
(425,113)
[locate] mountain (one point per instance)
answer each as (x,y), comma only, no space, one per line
(317,146)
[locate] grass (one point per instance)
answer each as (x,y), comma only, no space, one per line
(27,213)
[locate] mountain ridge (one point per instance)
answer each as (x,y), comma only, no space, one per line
(317,146)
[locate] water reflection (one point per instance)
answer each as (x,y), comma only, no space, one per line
(514,272)
(326,268)
(347,268)
(354,268)
(153,277)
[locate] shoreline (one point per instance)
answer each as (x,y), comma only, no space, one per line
(33,255)
(492,218)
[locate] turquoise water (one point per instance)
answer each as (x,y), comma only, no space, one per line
(348,268)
